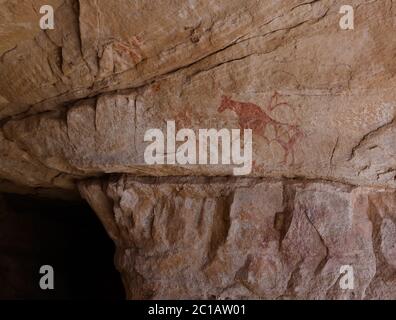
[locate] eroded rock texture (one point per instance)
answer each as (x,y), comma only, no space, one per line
(65,118)
(76,101)
(248,238)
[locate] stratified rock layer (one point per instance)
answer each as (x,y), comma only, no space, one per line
(248,238)
(76,101)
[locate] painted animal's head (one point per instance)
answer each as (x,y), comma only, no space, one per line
(225,104)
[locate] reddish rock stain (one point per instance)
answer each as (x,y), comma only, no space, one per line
(183,118)
(131,49)
(252,116)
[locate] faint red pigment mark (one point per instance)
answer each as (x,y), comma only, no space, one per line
(156,87)
(131,48)
(252,116)
(274,103)
(183,118)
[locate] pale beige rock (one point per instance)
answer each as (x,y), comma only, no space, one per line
(23,169)
(247,238)
(99,45)
(76,101)
(337,114)
(107,135)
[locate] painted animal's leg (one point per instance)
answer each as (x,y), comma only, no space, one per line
(257,126)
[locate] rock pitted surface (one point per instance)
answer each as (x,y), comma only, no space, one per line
(247,238)
(76,101)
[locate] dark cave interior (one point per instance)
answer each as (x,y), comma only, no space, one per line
(65,235)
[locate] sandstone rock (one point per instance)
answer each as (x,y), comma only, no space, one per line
(247,238)
(76,101)
(337,115)
(22,168)
(107,135)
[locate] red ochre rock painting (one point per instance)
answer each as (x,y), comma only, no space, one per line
(252,116)
(131,48)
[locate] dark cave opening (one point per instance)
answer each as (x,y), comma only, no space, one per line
(65,235)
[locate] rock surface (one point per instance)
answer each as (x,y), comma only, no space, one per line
(76,101)
(247,238)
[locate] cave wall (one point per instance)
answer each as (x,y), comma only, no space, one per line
(217,238)
(76,102)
